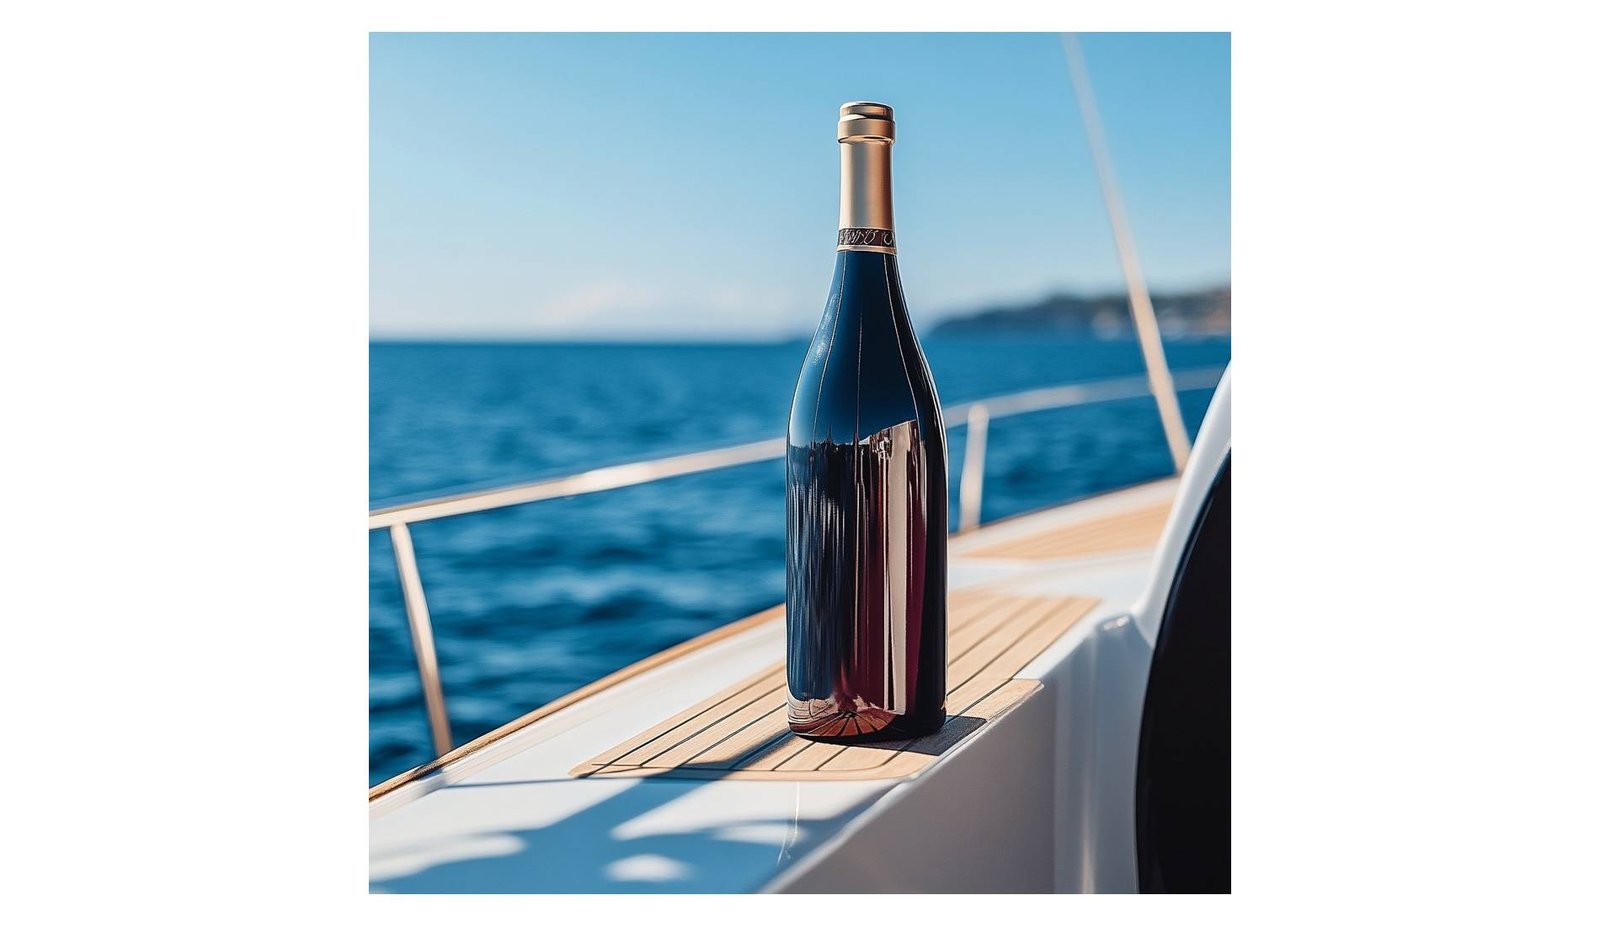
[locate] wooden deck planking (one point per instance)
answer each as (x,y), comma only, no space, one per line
(742,732)
(1136,529)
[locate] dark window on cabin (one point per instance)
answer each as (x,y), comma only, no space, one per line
(1184,784)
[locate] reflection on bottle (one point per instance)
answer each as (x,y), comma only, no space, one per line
(858,535)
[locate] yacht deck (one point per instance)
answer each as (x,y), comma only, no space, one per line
(677,774)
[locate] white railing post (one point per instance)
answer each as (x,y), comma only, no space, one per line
(405,559)
(972,467)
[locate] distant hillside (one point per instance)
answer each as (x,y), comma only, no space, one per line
(1203,312)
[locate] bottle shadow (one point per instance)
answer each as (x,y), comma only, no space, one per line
(955,730)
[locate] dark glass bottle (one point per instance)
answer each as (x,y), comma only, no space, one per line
(867,484)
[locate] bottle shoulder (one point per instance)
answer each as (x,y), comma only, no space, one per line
(862,375)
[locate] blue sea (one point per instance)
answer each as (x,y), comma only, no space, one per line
(529,603)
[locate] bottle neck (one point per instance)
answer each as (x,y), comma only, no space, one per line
(866,207)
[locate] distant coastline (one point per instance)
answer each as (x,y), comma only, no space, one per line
(1198,313)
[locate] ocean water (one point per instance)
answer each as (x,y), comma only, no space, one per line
(529,603)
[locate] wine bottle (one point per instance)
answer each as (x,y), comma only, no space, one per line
(866,484)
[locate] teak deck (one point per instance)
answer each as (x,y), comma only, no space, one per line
(742,732)
(1138,529)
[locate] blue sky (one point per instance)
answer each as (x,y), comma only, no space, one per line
(686,185)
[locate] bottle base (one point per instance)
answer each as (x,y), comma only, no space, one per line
(897,729)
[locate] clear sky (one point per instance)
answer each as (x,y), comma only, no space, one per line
(686,185)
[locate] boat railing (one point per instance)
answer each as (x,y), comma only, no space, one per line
(975,416)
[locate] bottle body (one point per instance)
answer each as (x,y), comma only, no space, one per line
(867,490)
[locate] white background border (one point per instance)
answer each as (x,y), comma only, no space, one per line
(184,365)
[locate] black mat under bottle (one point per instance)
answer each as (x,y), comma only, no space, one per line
(867,483)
